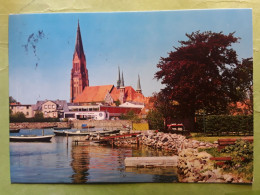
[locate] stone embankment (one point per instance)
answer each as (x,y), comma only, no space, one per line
(37,125)
(194,166)
(173,142)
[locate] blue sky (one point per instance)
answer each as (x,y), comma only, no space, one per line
(135,41)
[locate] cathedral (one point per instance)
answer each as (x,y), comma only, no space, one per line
(83,94)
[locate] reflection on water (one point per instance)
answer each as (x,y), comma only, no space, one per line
(87,162)
(80,164)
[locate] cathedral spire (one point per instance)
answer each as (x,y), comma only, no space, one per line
(119,79)
(79,46)
(122,83)
(138,89)
(79,72)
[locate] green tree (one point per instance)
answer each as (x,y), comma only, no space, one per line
(130,115)
(18,117)
(38,115)
(164,106)
(155,120)
(117,102)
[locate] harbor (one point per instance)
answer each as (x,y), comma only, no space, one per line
(63,161)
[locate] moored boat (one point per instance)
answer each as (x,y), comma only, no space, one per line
(31,138)
(71,133)
(107,132)
(14,130)
(85,126)
(61,128)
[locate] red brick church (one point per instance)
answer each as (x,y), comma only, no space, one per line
(82,93)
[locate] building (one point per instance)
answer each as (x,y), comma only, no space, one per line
(51,109)
(79,73)
(27,109)
(109,95)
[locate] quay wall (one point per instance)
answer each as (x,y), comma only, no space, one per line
(36,125)
(110,124)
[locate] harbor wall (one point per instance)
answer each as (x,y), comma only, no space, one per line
(109,124)
(37,125)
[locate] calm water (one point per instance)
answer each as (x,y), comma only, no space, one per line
(59,162)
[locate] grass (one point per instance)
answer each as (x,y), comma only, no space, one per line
(201,137)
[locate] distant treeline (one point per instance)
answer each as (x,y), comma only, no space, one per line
(20,117)
(19,120)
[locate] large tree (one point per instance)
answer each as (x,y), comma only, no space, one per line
(200,73)
(163,107)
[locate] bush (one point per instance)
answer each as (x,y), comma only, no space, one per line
(14,119)
(155,120)
(242,159)
(241,150)
(130,116)
(225,124)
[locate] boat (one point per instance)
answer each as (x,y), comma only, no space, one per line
(71,133)
(31,138)
(85,126)
(49,127)
(14,130)
(61,128)
(107,132)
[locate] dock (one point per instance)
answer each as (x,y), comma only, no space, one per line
(162,161)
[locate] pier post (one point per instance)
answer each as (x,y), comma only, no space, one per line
(67,138)
(112,143)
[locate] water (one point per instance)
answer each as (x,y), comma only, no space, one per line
(59,162)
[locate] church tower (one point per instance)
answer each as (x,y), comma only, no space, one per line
(122,90)
(119,79)
(138,89)
(79,73)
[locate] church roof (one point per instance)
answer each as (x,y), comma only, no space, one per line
(98,94)
(94,93)
(130,94)
(79,46)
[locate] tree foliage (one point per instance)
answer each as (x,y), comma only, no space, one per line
(130,115)
(155,120)
(12,100)
(38,115)
(203,72)
(164,106)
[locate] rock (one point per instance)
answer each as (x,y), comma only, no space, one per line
(228,178)
(204,155)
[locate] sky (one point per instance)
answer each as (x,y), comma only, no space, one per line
(41,47)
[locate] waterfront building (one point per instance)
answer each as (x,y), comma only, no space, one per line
(51,108)
(98,111)
(27,109)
